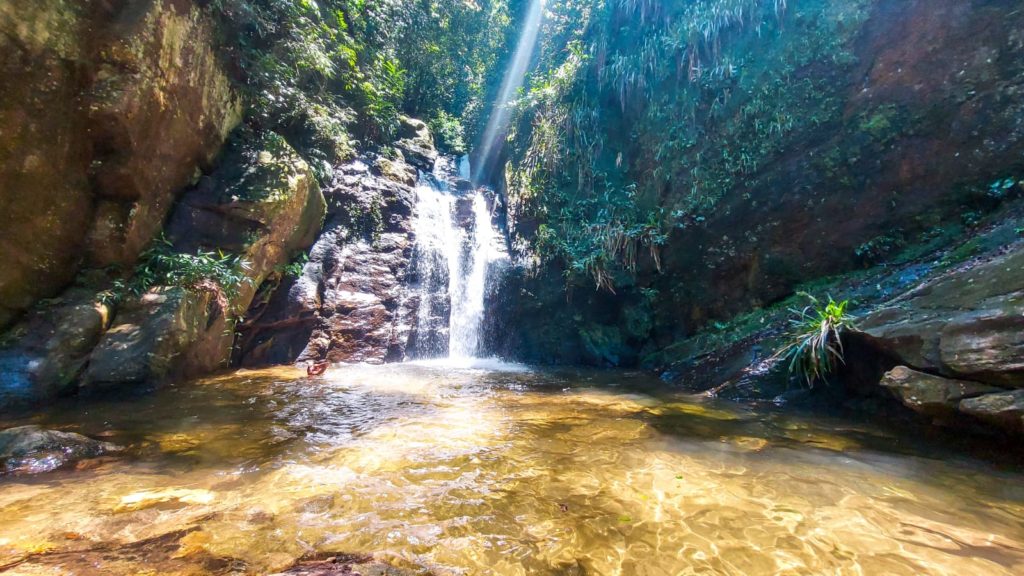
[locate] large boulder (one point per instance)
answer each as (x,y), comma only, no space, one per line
(350,303)
(967,324)
(262,203)
(150,336)
(160,108)
(1002,409)
(929,394)
(107,110)
(32,449)
(417,144)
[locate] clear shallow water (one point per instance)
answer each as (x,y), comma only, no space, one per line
(495,469)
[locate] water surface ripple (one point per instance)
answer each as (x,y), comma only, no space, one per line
(495,469)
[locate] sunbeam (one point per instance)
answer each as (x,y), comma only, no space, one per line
(514,76)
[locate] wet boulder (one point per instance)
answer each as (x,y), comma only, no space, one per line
(395,170)
(964,325)
(931,395)
(32,449)
(58,337)
(351,301)
(417,144)
(1002,409)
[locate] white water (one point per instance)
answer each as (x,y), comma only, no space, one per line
(464,169)
(454,248)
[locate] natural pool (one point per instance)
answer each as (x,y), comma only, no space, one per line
(498,469)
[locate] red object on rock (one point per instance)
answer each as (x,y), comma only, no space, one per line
(317,368)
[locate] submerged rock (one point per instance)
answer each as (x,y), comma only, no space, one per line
(347,564)
(929,394)
(32,449)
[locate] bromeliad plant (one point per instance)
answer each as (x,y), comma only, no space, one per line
(815,346)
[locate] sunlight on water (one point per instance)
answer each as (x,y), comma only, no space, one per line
(494,468)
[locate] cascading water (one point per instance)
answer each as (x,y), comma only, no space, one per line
(455,244)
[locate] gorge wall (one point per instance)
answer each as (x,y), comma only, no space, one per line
(819,139)
(178,198)
(108,110)
(166,164)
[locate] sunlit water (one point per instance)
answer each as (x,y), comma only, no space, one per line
(492,468)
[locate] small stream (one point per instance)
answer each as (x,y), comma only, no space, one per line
(495,468)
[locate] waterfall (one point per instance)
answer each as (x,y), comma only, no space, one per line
(456,242)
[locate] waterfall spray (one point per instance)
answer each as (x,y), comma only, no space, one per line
(452,254)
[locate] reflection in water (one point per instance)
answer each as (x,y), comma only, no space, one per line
(494,469)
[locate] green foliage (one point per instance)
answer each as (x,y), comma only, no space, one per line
(449,134)
(682,104)
(331,75)
(160,265)
(815,345)
(295,267)
(704,96)
(879,247)
(881,124)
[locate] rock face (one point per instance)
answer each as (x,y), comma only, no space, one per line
(160,109)
(968,324)
(108,110)
(959,340)
(262,203)
(928,112)
(349,304)
(931,395)
(45,206)
(31,449)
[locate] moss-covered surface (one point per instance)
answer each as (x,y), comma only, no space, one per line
(759,333)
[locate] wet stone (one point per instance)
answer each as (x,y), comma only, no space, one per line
(32,449)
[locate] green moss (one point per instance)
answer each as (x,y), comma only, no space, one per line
(882,124)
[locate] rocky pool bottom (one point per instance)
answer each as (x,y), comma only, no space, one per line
(496,469)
